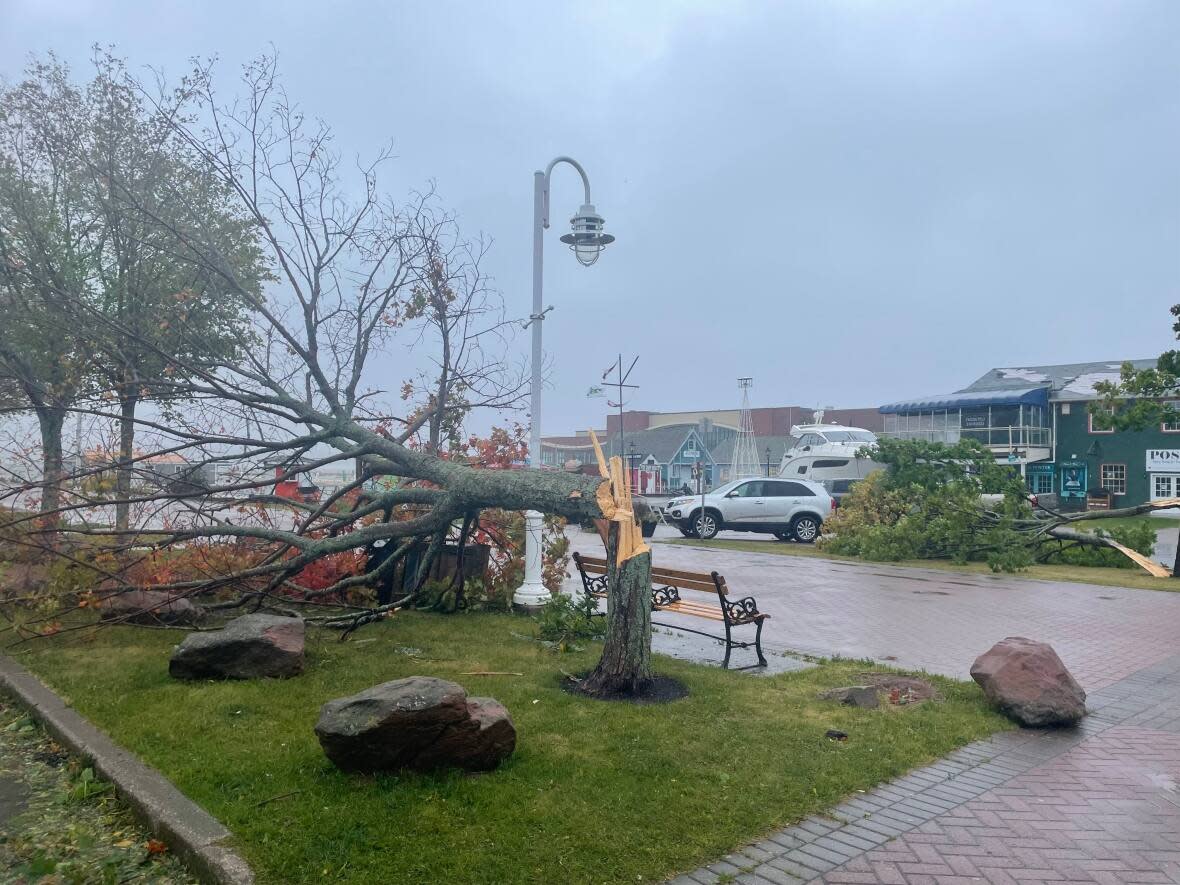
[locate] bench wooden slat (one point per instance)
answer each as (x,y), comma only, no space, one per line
(676,573)
(663,576)
(657,581)
(712,614)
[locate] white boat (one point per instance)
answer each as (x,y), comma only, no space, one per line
(827,451)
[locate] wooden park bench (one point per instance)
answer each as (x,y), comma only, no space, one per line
(667,585)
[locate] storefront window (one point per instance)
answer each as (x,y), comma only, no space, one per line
(1114,478)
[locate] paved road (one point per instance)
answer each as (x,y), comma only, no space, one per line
(935,620)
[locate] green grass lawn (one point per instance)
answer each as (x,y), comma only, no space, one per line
(596,792)
(1108,577)
(1156,522)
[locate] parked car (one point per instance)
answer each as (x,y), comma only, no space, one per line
(787,509)
(838,488)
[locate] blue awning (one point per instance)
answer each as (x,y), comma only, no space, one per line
(965,399)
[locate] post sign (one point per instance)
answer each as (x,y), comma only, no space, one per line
(1073,479)
(1163,460)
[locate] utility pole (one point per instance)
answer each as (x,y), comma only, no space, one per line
(620,384)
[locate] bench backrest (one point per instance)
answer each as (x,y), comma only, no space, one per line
(662,577)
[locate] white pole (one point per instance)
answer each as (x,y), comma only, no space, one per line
(532,593)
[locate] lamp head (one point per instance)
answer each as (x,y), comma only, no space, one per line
(587,239)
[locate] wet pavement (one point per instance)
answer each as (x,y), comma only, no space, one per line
(1097,803)
(929,619)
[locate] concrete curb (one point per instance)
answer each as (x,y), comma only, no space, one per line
(192,833)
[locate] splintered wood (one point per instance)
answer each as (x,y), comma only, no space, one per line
(1153,568)
(614,498)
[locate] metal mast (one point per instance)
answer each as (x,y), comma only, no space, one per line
(745,449)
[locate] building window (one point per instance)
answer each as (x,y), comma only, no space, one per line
(1040,483)
(1109,410)
(1165,485)
(1171,426)
(1114,478)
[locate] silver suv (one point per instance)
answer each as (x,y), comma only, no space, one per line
(786,508)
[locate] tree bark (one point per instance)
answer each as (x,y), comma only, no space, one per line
(625,665)
(127,404)
(51,420)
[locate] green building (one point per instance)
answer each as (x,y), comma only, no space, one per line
(1037,419)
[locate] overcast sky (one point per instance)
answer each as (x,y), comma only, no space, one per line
(853,202)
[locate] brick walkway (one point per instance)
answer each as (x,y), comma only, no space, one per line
(1099,803)
(934,620)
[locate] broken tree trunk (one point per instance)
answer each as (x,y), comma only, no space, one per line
(625,665)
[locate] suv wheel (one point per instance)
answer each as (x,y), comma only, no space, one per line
(805,529)
(706,525)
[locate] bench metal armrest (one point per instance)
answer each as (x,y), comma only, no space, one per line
(664,596)
(741,609)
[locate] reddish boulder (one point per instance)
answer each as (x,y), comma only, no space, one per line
(254,646)
(421,723)
(1029,683)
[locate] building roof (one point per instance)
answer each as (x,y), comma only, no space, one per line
(1034,385)
(1067,381)
(1036,396)
(662,443)
(723,452)
(570,442)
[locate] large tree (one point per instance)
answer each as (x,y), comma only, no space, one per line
(361,280)
(99,198)
(151,194)
(48,256)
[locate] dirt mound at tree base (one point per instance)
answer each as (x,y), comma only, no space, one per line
(908,686)
(661,690)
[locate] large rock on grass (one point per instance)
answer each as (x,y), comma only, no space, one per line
(1029,683)
(421,723)
(151,607)
(249,647)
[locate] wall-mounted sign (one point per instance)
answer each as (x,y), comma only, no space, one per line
(1073,479)
(1041,469)
(690,454)
(1163,460)
(973,420)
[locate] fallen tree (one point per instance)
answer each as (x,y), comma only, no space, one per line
(363,287)
(953,501)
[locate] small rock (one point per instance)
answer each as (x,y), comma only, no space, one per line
(151,607)
(421,723)
(249,647)
(1029,683)
(863,696)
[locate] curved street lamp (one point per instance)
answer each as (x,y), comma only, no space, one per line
(587,240)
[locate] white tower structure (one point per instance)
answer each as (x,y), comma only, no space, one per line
(745,449)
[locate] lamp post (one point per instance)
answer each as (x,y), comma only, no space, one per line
(586,240)
(768,460)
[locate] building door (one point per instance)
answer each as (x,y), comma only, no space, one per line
(1165,485)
